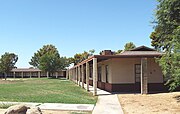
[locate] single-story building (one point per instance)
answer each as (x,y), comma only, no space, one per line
(130,71)
(33,73)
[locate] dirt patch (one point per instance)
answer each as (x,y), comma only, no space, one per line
(162,103)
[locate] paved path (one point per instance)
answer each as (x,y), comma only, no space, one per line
(107,103)
(69,107)
(57,106)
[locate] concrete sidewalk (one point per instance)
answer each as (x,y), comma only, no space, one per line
(107,103)
(55,106)
(68,107)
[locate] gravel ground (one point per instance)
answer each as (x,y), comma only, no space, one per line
(161,103)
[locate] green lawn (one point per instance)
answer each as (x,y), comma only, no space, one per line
(44,91)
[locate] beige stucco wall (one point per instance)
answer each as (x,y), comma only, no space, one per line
(103,70)
(154,72)
(122,70)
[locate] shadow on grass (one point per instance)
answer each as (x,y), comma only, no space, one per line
(59,78)
(5,106)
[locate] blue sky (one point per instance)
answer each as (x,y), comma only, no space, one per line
(73,25)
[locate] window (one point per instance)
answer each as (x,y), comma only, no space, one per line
(107,73)
(137,73)
(99,73)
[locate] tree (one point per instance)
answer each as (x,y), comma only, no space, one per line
(118,51)
(79,57)
(91,52)
(50,62)
(7,63)
(166,38)
(46,49)
(129,46)
(65,62)
(48,59)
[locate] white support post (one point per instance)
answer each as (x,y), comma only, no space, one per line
(30,73)
(87,76)
(22,74)
(39,74)
(47,74)
(79,76)
(75,79)
(73,75)
(70,75)
(82,75)
(56,74)
(95,76)
(144,76)
(67,74)
(14,74)
(76,75)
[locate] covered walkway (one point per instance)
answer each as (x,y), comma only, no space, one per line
(86,72)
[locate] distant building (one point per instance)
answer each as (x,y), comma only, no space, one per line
(33,73)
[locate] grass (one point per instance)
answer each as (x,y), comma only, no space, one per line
(44,91)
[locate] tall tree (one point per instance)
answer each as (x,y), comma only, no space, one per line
(65,62)
(166,38)
(79,57)
(129,46)
(48,59)
(46,49)
(7,63)
(50,62)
